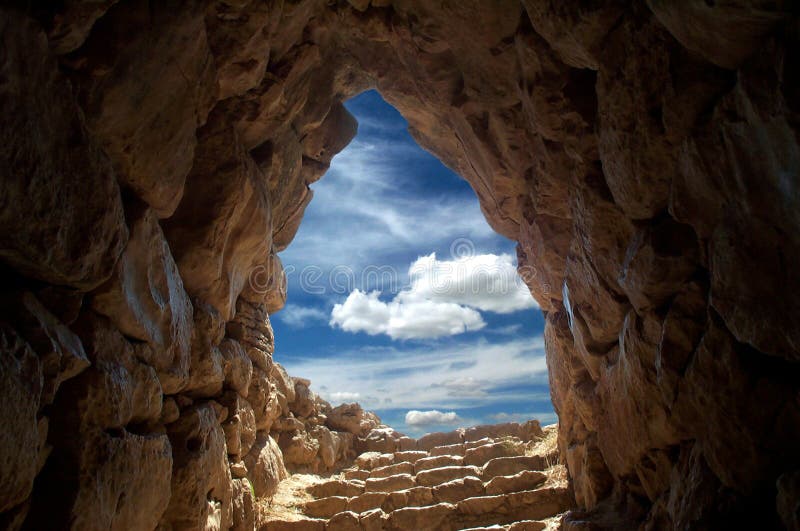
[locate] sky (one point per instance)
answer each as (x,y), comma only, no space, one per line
(402,298)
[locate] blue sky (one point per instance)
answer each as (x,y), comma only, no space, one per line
(402,298)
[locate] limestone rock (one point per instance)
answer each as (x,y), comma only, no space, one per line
(145,298)
(201,479)
(265,468)
(238,367)
(21,387)
(724,34)
(226,186)
(54,170)
(146,91)
(243,513)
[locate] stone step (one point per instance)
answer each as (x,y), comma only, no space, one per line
(486,528)
(437,476)
(432,440)
(356,473)
(468,445)
(527,525)
(325,507)
(508,466)
(438,461)
(373,520)
(410,456)
(344,521)
(525,480)
(392,470)
(336,487)
(428,518)
(413,497)
(458,489)
(526,431)
(370,460)
(517,506)
(448,449)
(367,501)
(480,455)
(390,484)
(304,524)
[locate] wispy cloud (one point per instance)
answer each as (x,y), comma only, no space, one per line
(452,377)
(363,213)
(301,316)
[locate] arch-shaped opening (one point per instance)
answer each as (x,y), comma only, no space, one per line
(157,158)
(400,295)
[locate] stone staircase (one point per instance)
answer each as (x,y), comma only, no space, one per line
(496,482)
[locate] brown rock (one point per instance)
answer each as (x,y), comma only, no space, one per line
(482,454)
(366,501)
(21,387)
(725,34)
(303,404)
(788,500)
(458,489)
(146,90)
(437,476)
(345,521)
(298,449)
(145,298)
(421,518)
(525,480)
(201,479)
(99,497)
(243,502)
(335,488)
(60,351)
(228,188)
(325,507)
(207,370)
(350,418)
(391,470)
(508,466)
(392,483)
(265,466)
(428,463)
(78,231)
(238,367)
(431,440)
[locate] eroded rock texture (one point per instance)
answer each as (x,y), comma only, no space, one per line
(157,156)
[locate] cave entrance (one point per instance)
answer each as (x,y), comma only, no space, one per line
(401,296)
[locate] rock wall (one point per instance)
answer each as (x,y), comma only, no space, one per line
(157,155)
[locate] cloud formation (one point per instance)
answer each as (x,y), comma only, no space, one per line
(443,299)
(301,316)
(399,319)
(432,417)
(452,377)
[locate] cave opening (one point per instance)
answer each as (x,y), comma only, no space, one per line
(400,295)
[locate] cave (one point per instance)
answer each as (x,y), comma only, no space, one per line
(158,155)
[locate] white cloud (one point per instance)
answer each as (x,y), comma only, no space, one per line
(447,377)
(365,312)
(487,282)
(442,300)
(343,396)
(432,417)
(301,316)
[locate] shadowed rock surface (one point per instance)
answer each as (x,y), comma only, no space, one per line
(157,155)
